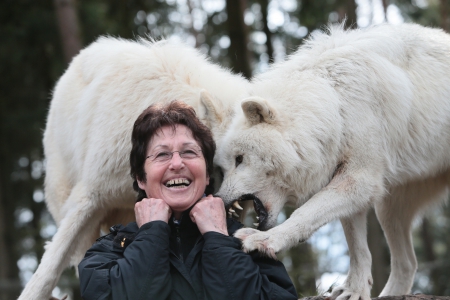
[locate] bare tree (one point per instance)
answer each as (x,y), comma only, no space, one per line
(385,5)
(347,9)
(238,33)
(379,251)
(193,31)
(264,11)
(9,285)
(445,20)
(68,27)
(3,249)
(351,14)
(429,254)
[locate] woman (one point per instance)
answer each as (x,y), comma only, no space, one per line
(181,245)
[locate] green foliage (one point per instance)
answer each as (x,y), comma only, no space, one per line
(301,264)
(426,15)
(432,244)
(30,62)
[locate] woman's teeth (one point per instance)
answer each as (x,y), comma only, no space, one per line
(181,182)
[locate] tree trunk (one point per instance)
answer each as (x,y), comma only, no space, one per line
(69,28)
(385,5)
(264,11)
(445,21)
(4,257)
(193,31)
(347,9)
(9,285)
(238,33)
(427,240)
(351,14)
(376,242)
(430,256)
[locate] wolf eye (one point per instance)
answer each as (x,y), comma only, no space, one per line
(239,159)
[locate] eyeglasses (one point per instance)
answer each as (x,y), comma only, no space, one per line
(165,156)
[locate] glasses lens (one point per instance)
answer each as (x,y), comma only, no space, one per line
(189,153)
(162,156)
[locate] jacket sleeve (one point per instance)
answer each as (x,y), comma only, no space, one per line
(142,271)
(229,273)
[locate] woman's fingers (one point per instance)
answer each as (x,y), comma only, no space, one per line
(151,209)
(209,215)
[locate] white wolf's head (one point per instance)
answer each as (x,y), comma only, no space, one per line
(275,157)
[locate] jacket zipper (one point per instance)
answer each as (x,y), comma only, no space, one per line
(180,253)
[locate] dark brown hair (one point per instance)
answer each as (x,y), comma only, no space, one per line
(153,119)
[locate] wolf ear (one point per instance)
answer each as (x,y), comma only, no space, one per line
(212,109)
(257,110)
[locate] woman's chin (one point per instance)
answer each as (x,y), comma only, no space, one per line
(180,199)
(177,193)
(180,202)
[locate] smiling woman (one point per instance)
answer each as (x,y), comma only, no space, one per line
(160,122)
(181,245)
(180,176)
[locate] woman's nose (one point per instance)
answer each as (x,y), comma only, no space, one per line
(176,161)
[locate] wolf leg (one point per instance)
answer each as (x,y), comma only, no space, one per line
(359,279)
(85,240)
(346,195)
(396,223)
(396,214)
(58,253)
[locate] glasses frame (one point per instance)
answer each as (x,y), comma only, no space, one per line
(180,153)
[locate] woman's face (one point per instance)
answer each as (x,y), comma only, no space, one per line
(180,182)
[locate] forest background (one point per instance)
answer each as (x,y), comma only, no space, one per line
(38,39)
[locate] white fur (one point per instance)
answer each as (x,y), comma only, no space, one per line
(353,119)
(88,136)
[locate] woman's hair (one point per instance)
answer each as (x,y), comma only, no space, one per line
(153,119)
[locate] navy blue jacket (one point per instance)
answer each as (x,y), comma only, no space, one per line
(169,261)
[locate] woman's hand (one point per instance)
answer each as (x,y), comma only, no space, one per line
(151,209)
(209,215)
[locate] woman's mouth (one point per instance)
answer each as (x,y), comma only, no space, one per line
(177,183)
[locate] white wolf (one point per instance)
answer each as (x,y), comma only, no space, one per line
(87,139)
(352,119)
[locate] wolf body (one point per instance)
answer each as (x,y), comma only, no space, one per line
(87,139)
(353,119)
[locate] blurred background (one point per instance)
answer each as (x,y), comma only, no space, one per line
(38,39)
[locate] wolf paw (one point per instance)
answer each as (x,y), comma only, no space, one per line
(344,293)
(253,239)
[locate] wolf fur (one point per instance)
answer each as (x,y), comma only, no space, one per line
(87,139)
(353,119)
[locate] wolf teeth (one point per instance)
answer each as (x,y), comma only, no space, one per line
(256,224)
(236,205)
(236,215)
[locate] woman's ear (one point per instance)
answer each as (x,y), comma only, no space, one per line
(141,184)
